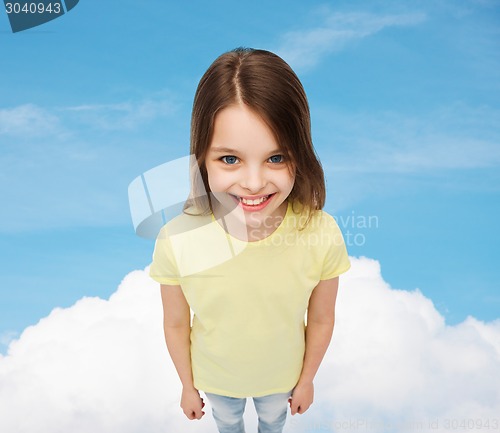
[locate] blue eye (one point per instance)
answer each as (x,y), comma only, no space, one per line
(276,159)
(230,160)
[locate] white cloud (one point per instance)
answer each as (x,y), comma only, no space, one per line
(304,49)
(386,153)
(97,366)
(32,121)
(6,338)
(126,115)
(395,359)
(457,136)
(56,161)
(102,366)
(28,120)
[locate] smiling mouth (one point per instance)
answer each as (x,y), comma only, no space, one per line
(253,202)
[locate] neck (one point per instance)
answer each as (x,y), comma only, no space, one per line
(242,226)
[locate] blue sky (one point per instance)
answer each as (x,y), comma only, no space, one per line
(406,119)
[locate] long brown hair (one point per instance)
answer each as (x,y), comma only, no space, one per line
(266,84)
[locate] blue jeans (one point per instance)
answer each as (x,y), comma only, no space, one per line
(228,412)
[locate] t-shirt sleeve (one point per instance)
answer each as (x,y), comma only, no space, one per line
(336,259)
(164,267)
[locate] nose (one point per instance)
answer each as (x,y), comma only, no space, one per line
(253,179)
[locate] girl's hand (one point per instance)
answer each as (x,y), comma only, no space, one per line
(302,398)
(191,403)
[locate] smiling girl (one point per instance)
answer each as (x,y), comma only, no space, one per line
(253,251)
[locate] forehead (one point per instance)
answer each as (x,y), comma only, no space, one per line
(237,127)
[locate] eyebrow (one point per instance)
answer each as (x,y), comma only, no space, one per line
(218,149)
(223,150)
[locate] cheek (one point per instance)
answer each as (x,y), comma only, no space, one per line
(218,180)
(287,181)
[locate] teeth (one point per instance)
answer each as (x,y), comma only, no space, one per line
(253,202)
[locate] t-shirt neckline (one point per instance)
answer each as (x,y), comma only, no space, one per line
(276,232)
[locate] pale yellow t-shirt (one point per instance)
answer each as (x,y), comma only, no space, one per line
(248,299)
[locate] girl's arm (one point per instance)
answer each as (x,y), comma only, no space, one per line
(177,327)
(320,322)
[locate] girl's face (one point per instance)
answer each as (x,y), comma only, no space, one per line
(247,172)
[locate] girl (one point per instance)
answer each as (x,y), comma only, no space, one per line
(253,251)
